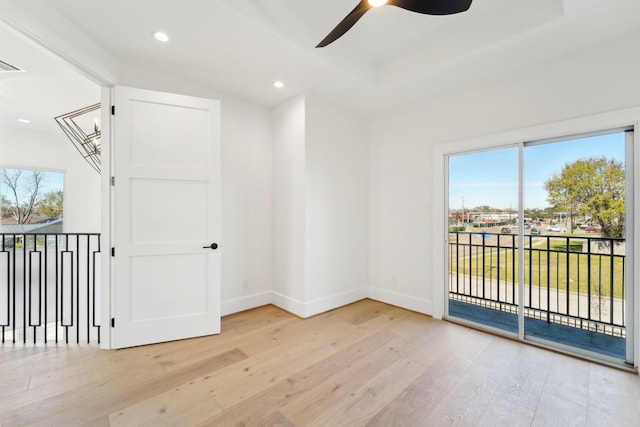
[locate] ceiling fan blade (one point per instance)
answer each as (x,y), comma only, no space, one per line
(433,7)
(348,22)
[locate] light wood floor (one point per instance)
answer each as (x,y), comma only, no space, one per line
(365,364)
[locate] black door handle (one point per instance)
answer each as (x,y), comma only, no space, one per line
(211,246)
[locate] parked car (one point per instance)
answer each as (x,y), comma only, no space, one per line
(505,230)
(556,229)
(536,230)
(593,229)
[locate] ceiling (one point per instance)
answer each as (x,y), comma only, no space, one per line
(45,88)
(389,59)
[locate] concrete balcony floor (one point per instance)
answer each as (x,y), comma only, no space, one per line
(567,335)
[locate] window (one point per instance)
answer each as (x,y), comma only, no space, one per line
(31,201)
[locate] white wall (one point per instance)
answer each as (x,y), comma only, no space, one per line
(320,206)
(247,262)
(400,218)
(289,288)
(337,206)
(23,148)
(600,79)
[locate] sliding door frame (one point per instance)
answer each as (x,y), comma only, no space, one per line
(566,130)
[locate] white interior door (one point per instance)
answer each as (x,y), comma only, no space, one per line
(166,162)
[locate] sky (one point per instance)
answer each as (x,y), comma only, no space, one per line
(491,177)
(52,181)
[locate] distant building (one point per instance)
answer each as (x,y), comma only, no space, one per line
(41,226)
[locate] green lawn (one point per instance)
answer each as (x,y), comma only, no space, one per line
(557,270)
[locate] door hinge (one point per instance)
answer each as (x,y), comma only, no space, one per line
(113,251)
(113,181)
(113,110)
(113,322)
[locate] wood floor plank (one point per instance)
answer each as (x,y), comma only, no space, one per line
(191,352)
(276,419)
(182,405)
(456,389)
(330,390)
(90,401)
(33,363)
(367,363)
(369,311)
(359,406)
(568,378)
(307,386)
(418,400)
(10,384)
(466,402)
(524,380)
(239,381)
(501,412)
(102,421)
(268,367)
(361,310)
(253,319)
(96,377)
(612,399)
(554,411)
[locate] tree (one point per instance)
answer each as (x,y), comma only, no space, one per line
(534,213)
(52,204)
(20,209)
(5,206)
(592,187)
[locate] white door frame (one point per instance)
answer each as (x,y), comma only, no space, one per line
(106,235)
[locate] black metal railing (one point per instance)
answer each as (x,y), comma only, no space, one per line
(49,288)
(577,281)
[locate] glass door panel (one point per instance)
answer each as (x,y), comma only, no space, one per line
(483,238)
(575,243)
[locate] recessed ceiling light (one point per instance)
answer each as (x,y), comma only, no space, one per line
(278,84)
(377,3)
(24,121)
(160,36)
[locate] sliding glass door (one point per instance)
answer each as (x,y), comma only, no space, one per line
(483,242)
(575,191)
(538,242)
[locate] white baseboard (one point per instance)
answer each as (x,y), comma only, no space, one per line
(317,306)
(289,304)
(409,302)
(248,302)
(321,305)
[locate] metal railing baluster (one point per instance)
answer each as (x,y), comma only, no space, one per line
(556,260)
(31,264)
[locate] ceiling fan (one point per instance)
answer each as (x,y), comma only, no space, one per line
(428,7)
